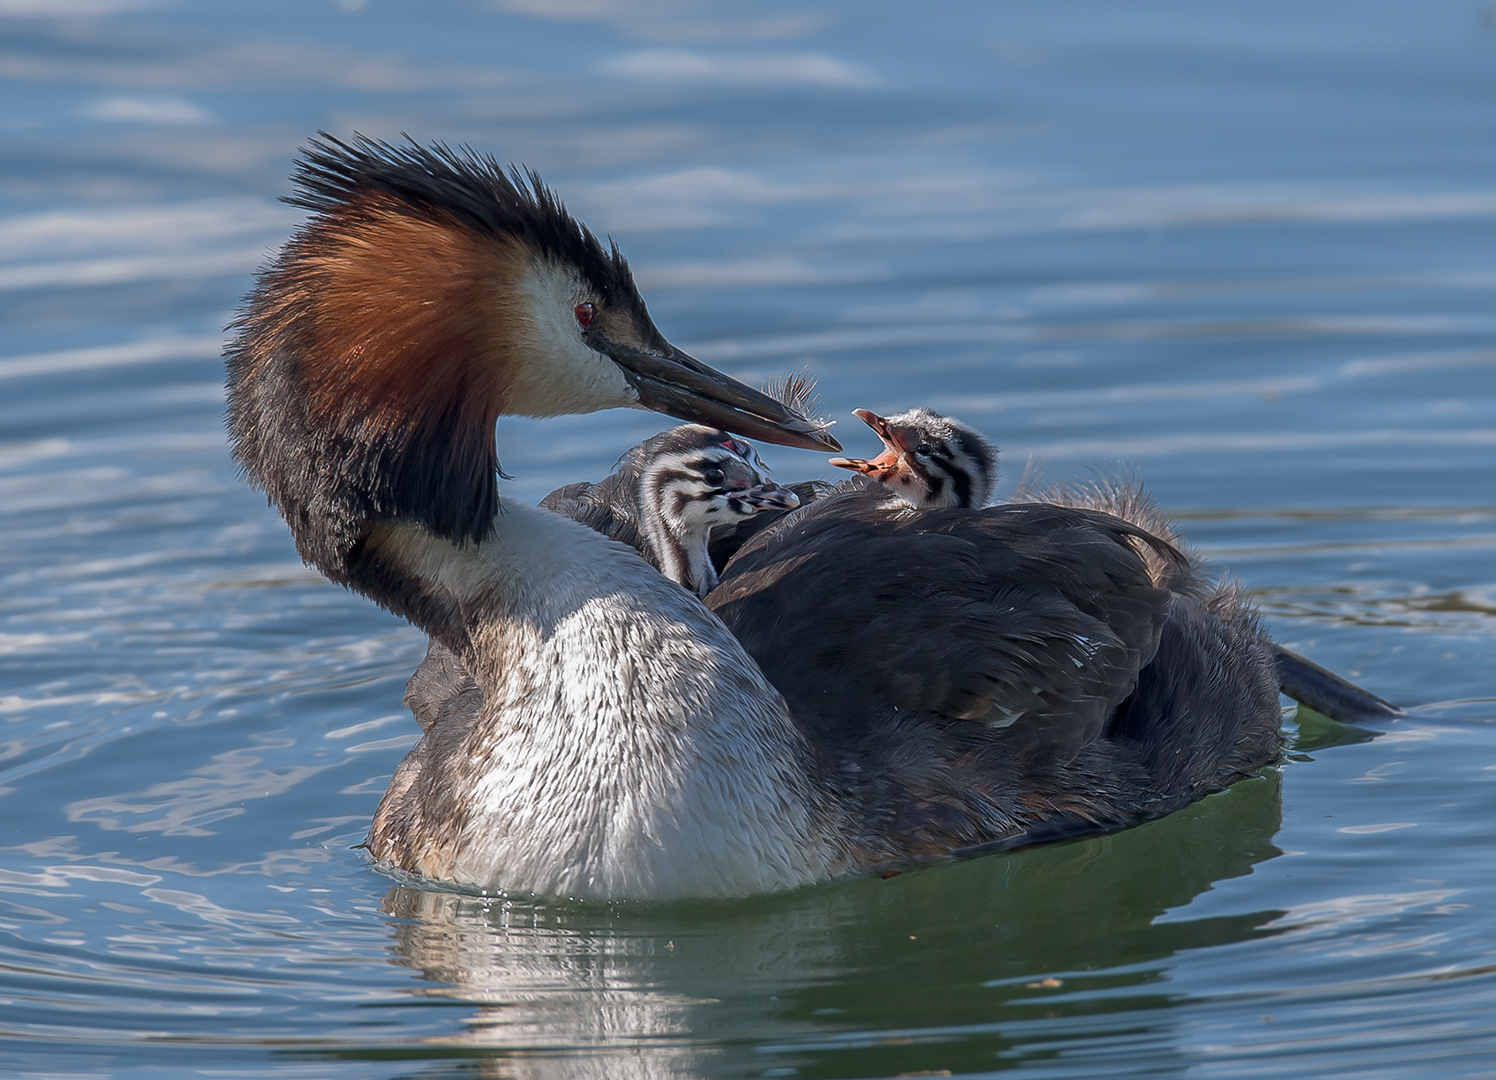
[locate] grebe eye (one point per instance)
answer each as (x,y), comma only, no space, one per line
(714,477)
(585,313)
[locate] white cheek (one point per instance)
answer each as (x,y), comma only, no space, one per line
(556,373)
(698,516)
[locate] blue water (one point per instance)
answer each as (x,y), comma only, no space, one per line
(1248,254)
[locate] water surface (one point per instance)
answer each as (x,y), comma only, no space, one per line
(1245,254)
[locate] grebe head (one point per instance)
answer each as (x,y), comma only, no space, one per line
(695,478)
(429,293)
(928,460)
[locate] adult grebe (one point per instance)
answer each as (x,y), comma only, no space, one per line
(1031,680)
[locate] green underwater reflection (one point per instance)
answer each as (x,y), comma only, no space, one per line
(972,966)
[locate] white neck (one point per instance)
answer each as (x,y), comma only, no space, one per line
(683,560)
(628,746)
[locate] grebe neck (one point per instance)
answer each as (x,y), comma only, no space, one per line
(682,558)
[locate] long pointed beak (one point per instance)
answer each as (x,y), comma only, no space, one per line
(893,449)
(679,385)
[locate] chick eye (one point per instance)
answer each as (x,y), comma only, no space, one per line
(925,449)
(585,313)
(714,477)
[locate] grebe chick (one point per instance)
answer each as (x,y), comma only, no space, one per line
(670,493)
(928,460)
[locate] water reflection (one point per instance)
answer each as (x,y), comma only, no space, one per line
(991,960)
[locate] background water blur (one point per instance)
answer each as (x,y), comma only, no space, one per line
(1248,251)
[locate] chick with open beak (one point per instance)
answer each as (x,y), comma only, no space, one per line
(928,460)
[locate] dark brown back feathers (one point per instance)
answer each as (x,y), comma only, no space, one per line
(1037,614)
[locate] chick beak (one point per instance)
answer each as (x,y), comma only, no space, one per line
(681,386)
(771,497)
(893,454)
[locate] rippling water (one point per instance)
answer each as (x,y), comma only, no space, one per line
(1245,253)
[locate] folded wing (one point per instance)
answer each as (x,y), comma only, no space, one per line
(1031,617)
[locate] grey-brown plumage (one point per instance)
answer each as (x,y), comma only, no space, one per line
(1298,677)
(1003,674)
(1026,613)
(931,461)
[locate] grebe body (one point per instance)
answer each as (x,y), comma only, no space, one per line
(590,728)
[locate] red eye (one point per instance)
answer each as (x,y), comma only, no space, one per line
(585,314)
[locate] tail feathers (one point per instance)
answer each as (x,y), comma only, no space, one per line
(1325,692)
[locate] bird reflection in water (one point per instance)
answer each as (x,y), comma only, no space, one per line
(700,989)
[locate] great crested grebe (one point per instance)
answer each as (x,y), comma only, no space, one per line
(1022,676)
(928,460)
(671,493)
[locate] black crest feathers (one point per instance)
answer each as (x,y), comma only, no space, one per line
(441,182)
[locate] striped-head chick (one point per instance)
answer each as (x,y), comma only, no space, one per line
(694,478)
(928,460)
